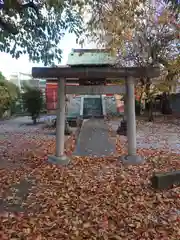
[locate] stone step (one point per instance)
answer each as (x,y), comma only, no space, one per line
(166,180)
(94,140)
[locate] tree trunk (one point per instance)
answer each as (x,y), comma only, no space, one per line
(34,120)
(122,128)
(67,129)
(150,111)
(149,98)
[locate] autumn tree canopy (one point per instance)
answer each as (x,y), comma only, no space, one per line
(138,33)
(110,19)
(117,22)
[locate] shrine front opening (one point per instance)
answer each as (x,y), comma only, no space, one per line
(92,98)
(95,78)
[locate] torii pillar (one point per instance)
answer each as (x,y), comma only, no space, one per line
(132,157)
(60,158)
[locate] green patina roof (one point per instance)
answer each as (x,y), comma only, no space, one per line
(90,57)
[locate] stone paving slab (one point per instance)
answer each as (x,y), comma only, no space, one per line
(94,140)
(13,199)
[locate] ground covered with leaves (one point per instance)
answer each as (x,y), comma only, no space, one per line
(90,199)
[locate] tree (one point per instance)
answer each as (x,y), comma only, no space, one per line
(148,37)
(115,21)
(9,93)
(33,102)
(108,20)
(175,4)
(173,73)
(37,27)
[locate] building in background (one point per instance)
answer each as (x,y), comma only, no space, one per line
(25,79)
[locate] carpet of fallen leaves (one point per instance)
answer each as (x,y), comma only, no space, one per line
(89,199)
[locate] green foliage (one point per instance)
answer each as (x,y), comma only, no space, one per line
(37,30)
(175,4)
(33,102)
(9,93)
(172,68)
(164,86)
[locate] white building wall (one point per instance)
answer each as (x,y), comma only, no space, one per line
(20,78)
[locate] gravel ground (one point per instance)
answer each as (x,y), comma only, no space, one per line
(158,135)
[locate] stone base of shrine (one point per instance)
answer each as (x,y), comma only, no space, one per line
(62,160)
(132,159)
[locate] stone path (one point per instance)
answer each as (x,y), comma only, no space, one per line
(13,199)
(94,140)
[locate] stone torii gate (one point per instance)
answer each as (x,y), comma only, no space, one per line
(130,74)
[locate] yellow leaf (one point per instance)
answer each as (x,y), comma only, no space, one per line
(116,237)
(86,225)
